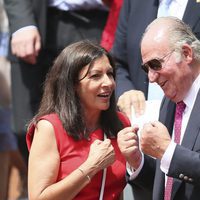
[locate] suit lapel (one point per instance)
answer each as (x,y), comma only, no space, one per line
(193,126)
(167,114)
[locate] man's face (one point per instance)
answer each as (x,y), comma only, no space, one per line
(175,76)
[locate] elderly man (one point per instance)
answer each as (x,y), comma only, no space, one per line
(169,160)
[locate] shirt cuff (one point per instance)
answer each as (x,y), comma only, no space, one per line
(167,157)
(24,28)
(134,172)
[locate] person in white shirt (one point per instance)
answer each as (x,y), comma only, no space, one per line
(171,58)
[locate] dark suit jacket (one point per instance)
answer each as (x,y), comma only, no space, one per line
(134,17)
(185,164)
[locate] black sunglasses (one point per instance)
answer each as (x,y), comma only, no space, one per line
(155,64)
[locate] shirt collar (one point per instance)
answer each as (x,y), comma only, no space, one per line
(180,2)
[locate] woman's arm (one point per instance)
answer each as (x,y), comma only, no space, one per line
(44,162)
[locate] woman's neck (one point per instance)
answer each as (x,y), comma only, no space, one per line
(92,122)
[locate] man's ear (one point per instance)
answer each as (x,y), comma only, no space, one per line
(187,53)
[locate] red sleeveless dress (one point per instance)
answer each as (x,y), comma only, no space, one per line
(74,153)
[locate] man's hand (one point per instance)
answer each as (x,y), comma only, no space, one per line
(154,139)
(133,98)
(128,144)
(26,44)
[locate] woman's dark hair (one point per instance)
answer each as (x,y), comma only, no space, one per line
(60,95)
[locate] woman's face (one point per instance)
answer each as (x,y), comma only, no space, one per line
(96,88)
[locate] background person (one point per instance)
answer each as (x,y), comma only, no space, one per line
(108,34)
(10,156)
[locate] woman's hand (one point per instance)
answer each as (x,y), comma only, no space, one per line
(128,143)
(101,155)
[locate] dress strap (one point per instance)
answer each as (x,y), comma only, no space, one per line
(103,179)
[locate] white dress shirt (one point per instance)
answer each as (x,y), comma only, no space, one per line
(76,4)
(70,5)
(175,5)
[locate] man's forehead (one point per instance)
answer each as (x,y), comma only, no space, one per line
(155,34)
(154,40)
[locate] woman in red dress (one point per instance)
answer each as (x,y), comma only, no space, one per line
(72,139)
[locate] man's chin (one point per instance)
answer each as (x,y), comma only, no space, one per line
(171,96)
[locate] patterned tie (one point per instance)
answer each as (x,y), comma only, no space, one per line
(164,8)
(180,107)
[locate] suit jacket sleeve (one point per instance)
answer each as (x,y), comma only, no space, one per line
(186,163)
(146,176)
(119,51)
(20,14)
